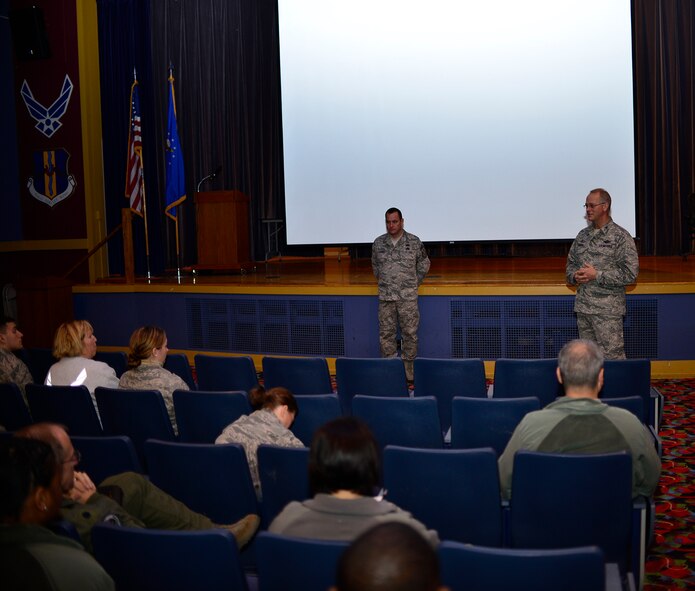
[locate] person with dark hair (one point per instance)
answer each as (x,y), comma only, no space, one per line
(12,368)
(344,468)
(274,412)
(389,557)
(400,263)
(75,346)
(127,499)
(31,556)
(146,356)
(580,423)
(601,262)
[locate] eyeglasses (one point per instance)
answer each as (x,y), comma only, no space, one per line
(75,457)
(593,205)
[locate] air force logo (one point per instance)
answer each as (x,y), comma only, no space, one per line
(48,119)
(51,182)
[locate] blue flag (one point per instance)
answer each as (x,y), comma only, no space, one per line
(175,184)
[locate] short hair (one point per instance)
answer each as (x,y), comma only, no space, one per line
(25,464)
(604,195)
(394,210)
(344,455)
(142,341)
(44,432)
(68,338)
(260,398)
(388,557)
(580,362)
(4,322)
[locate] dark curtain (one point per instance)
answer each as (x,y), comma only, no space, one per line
(225,58)
(665,101)
(226,64)
(124,45)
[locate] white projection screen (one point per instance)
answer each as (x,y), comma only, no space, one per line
(481,120)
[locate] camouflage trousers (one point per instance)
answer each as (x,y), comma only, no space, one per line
(605,331)
(406,314)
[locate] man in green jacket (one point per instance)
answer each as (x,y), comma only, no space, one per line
(127,499)
(580,423)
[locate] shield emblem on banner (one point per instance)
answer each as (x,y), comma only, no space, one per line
(51,182)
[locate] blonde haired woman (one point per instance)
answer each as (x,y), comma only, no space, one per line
(147,354)
(74,346)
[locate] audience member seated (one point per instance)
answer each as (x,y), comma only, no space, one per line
(389,557)
(274,412)
(31,556)
(147,354)
(580,423)
(344,470)
(127,499)
(12,368)
(74,346)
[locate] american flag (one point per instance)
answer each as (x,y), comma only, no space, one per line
(134,190)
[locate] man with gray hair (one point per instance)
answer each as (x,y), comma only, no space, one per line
(580,423)
(601,262)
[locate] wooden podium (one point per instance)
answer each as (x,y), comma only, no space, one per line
(223,229)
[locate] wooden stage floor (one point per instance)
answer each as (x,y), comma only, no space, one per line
(447,276)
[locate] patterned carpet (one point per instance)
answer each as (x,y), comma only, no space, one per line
(671,559)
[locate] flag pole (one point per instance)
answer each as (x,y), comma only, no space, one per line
(175,189)
(144,202)
(144,218)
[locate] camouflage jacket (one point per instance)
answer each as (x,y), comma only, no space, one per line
(399,268)
(152,376)
(252,430)
(611,250)
(14,370)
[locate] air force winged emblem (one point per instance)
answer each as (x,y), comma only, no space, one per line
(51,182)
(48,119)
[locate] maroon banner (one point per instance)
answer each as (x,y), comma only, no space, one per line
(49,127)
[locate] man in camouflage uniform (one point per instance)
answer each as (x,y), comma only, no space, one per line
(400,263)
(12,369)
(601,262)
(126,499)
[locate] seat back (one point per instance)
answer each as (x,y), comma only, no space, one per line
(520,378)
(314,411)
(446,378)
(116,359)
(628,377)
(472,568)
(410,422)
(141,559)
(201,416)
(178,363)
(369,377)
(14,413)
(71,406)
(284,477)
(138,414)
(487,422)
(105,456)
(39,361)
(296,563)
(225,373)
(211,479)
(455,492)
(300,375)
(567,500)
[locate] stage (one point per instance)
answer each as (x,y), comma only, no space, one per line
(470,307)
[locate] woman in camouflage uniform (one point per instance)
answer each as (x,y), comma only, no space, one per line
(147,354)
(274,412)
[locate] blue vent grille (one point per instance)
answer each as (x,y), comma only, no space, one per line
(538,328)
(266,325)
